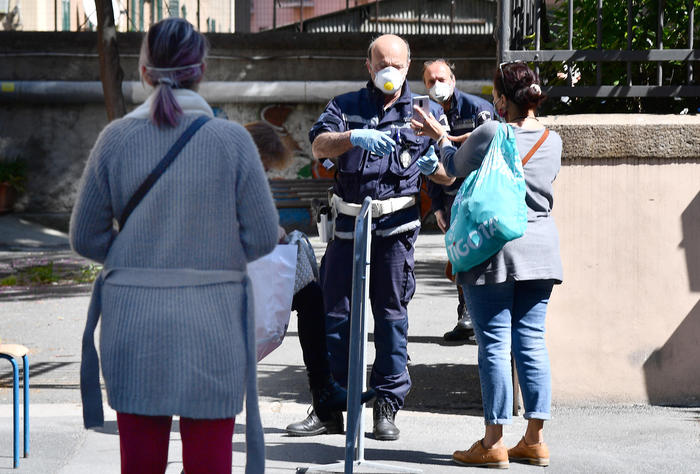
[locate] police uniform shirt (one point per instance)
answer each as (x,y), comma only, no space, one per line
(463,115)
(360,173)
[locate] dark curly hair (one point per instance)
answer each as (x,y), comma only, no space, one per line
(515,81)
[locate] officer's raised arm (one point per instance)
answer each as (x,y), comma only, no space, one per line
(331,144)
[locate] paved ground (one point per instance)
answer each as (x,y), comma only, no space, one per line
(442,413)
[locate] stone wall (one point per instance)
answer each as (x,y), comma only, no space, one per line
(56,141)
(55,133)
(283,56)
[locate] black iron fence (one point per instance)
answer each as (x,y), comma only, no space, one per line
(586,48)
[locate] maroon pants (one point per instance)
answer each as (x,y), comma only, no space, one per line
(143,442)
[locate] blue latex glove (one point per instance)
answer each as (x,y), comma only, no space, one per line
(428,163)
(379,143)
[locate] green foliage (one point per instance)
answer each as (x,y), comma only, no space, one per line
(644,19)
(42,274)
(14,172)
(59,273)
(87,274)
(9,281)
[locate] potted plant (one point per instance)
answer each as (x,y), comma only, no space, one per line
(13,175)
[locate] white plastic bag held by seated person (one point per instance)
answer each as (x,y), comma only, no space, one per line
(273,288)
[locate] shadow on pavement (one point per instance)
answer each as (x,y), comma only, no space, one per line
(439,340)
(35,293)
(445,388)
(110,427)
(431,274)
(437,388)
(284,383)
(39,369)
(309,453)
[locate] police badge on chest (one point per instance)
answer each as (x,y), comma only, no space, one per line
(405,158)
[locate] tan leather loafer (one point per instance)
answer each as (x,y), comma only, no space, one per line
(537,454)
(479,456)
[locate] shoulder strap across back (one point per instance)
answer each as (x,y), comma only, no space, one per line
(160,168)
(536,146)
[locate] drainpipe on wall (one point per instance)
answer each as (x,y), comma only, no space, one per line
(214,92)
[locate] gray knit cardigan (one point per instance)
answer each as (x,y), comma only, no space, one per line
(178,350)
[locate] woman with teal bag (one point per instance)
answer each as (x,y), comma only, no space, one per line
(509,292)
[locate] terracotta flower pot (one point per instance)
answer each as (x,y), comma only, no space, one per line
(8,195)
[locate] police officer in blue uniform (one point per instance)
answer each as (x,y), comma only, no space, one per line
(368,135)
(464,113)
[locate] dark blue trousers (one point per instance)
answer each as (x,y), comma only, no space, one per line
(392,284)
(308,303)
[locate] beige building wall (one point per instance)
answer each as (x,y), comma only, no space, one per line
(38,15)
(625,325)
(288,11)
(222,11)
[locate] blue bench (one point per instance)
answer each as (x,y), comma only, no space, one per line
(297,199)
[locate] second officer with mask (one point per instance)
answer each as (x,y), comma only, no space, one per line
(464,113)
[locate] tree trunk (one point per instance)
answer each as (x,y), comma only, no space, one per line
(111,72)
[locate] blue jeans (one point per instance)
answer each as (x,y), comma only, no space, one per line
(510,317)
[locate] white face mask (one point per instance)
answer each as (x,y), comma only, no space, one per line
(440,92)
(388,80)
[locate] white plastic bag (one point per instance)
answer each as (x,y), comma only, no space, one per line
(273,288)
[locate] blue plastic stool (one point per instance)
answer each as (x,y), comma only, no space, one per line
(13,352)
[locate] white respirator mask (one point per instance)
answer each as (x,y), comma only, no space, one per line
(440,92)
(388,80)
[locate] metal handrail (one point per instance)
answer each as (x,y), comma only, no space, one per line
(357,374)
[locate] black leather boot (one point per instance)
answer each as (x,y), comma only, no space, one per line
(384,427)
(313,425)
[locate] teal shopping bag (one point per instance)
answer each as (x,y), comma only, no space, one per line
(489,209)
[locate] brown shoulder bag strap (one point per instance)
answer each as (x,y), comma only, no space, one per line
(536,146)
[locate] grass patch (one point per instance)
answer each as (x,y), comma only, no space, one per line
(9,281)
(32,272)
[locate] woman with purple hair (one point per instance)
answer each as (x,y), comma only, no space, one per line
(176,333)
